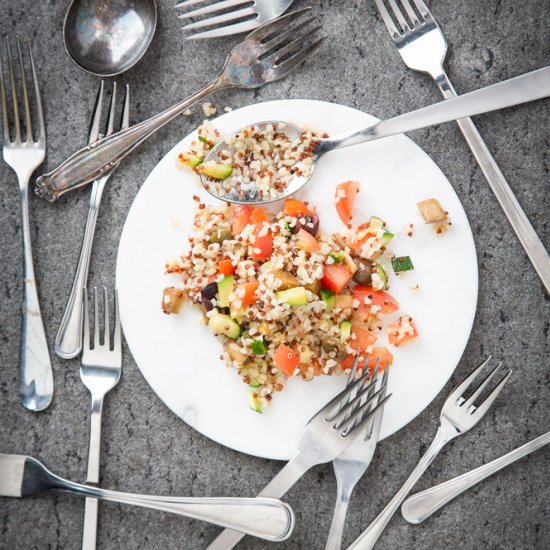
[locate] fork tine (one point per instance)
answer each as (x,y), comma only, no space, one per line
(93,135)
(86,322)
(111,115)
(399,16)
(96,320)
(107,324)
(463,386)
(477,392)
(293,46)
(125,121)
(386,17)
(361,419)
(213,8)
(117,344)
(17,127)
(486,405)
(334,406)
(237,28)
(28,123)
(410,12)
(224,18)
(291,30)
(297,59)
(41,134)
(353,371)
(271,28)
(342,417)
(423,9)
(5,123)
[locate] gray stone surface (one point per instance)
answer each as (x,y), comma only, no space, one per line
(146,448)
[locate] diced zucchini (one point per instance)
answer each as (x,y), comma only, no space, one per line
(345,330)
(223,324)
(237,313)
(220,234)
(258,347)
(225,288)
(387,237)
(190,159)
(305,354)
(253,402)
(205,141)
(379,278)
(215,169)
(254,383)
(328,297)
(402,263)
(375,224)
(337,257)
(293,296)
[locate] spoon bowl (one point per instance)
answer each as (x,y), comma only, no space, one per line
(108,37)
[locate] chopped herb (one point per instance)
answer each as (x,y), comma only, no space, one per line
(258,347)
(402,263)
(337,257)
(206,142)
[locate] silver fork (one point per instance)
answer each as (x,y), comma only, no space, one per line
(459,415)
(68,341)
(100,372)
(324,437)
(260,12)
(25,156)
(267,54)
(423,47)
(349,468)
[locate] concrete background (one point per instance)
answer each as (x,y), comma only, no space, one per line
(145,447)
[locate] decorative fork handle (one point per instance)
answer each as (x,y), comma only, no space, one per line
(68,341)
(527,236)
(368,538)
(419,507)
(94,161)
(276,488)
(35,368)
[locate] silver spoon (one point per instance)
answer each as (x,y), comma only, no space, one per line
(108,37)
(521,89)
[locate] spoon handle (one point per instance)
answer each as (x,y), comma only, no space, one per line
(97,159)
(514,91)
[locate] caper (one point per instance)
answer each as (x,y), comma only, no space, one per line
(220,234)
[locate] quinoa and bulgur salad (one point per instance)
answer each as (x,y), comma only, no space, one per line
(257,163)
(286,298)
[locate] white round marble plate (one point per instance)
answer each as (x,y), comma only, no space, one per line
(180,358)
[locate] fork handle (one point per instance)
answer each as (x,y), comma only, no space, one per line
(527,236)
(91,505)
(368,538)
(276,488)
(95,160)
(336,533)
(421,506)
(68,341)
(35,368)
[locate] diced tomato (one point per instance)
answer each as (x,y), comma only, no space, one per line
(364,338)
(259,215)
(286,359)
(241,218)
(226,267)
(336,277)
(296,208)
(248,293)
(307,241)
(398,336)
(380,298)
(382,353)
(345,199)
(262,247)
(349,361)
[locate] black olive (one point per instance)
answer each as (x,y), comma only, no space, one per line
(310,224)
(363,275)
(207,293)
